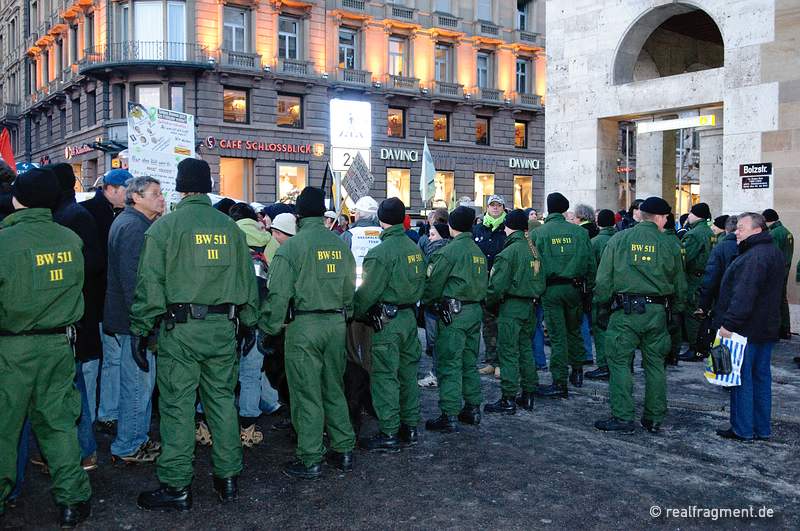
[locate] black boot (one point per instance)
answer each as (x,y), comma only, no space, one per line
(227,489)
(576,376)
(407,435)
(649,425)
(381,443)
(444,423)
(525,400)
(615,424)
(691,355)
(600,373)
(470,414)
(165,498)
(296,469)
(505,406)
(69,516)
(553,391)
(342,461)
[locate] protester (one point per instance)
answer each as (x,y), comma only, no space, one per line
(631,217)
(330,219)
(721,257)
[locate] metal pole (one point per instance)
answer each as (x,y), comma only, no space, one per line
(680,174)
(627,166)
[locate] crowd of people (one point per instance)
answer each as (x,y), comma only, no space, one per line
(227,312)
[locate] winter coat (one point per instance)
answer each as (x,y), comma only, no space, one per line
(103,213)
(721,257)
(489,241)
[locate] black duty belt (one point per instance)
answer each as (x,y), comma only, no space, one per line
(314,312)
(42,332)
(621,298)
(560,281)
(528,299)
(467,303)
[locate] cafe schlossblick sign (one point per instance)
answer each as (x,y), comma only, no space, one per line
(413,155)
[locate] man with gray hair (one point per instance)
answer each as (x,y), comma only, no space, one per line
(144,202)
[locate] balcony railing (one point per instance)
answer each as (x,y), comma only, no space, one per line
(250,62)
(399,12)
(487,28)
(533,101)
(9,111)
(146,52)
(452,90)
(353,77)
(446,21)
(489,94)
(402,83)
(529,37)
(351,5)
(294,67)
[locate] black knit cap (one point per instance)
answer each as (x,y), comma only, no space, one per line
(557,203)
(719,221)
(517,220)
(461,219)
(38,188)
(443,229)
(655,205)
(770,215)
(392,211)
(311,203)
(605,218)
(194,175)
(701,210)
(64,175)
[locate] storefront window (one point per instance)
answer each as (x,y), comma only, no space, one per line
(292,178)
(482,131)
(235,106)
(484,187)
(441,127)
(521,134)
(398,184)
(236,178)
(445,194)
(523,191)
(290,111)
(396,123)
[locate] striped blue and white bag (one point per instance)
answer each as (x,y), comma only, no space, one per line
(736,344)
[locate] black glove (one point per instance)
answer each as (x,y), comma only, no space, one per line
(139,352)
(267,344)
(245,340)
(603,316)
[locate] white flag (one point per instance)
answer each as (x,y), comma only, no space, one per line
(427,184)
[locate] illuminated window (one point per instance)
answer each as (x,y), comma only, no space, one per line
(347,48)
(292,178)
(523,68)
(236,178)
(288,32)
(235,29)
(290,111)
(445,194)
(523,191)
(482,131)
(484,65)
(484,187)
(443,61)
(396,123)
(398,184)
(441,127)
(235,106)
(397,56)
(521,134)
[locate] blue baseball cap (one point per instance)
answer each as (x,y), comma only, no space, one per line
(117,177)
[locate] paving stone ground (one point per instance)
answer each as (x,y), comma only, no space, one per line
(539,470)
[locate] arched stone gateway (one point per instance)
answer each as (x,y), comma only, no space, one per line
(613,62)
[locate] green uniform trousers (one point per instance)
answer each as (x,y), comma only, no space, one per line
(393,380)
(315,362)
(489,332)
(786,318)
(36,380)
(691,322)
(563,314)
(599,338)
(516,355)
(457,346)
(197,354)
(647,332)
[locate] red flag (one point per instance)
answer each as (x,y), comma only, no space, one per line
(6,151)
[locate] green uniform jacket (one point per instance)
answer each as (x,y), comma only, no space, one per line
(697,248)
(600,241)
(644,261)
(315,269)
(516,275)
(784,240)
(394,273)
(41,273)
(195,254)
(565,249)
(457,271)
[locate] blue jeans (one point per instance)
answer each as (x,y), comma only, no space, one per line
(586,333)
(110,377)
(22,459)
(86,439)
(255,393)
(135,399)
(431,322)
(751,402)
(90,370)
(537,342)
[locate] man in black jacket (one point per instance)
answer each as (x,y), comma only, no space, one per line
(749,304)
(721,257)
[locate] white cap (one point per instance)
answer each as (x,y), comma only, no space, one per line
(285,223)
(330,214)
(367,205)
(258,207)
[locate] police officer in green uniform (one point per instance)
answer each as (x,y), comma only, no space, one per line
(311,284)
(675,325)
(569,267)
(515,282)
(696,248)
(457,283)
(785,242)
(605,220)
(639,279)
(41,278)
(393,282)
(196,278)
